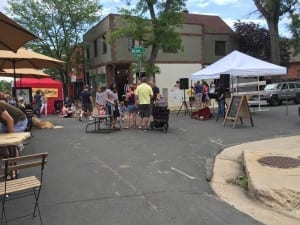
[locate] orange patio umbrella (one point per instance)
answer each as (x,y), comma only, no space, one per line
(26,59)
(24,73)
(13,35)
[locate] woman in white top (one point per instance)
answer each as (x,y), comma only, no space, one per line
(44,104)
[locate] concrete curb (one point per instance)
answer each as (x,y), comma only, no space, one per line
(228,165)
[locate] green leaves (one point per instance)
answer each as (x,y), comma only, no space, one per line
(59,23)
(152,23)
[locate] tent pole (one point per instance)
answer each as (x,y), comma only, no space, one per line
(286,100)
(258,93)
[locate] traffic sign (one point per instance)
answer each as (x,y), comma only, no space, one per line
(137,51)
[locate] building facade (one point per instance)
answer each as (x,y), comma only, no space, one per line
(294,67)
(205,39)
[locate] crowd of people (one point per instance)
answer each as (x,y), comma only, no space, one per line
(134,108)
(201,93)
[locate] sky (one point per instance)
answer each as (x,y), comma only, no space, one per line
(229,10)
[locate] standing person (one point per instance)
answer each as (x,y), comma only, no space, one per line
(220,96)
(37,103)
(111,98)
(87,103)
(198,94)
(191,94)
(44,104)
(144,95)
(100,98)
(131,107)
(205,97)
(155,90)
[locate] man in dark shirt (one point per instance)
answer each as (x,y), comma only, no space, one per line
(87,102)
(155,89)
(37,101)
(220,97)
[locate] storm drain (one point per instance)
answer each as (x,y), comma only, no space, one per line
(279,161)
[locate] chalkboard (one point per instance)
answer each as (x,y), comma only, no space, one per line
(234,106)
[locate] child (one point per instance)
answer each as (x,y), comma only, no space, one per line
(67,111)
(101,110)
(122,110)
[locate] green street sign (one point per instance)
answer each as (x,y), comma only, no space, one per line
(137,51)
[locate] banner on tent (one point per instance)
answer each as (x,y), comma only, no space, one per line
(49,92)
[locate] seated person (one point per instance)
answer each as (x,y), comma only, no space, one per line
(67,112)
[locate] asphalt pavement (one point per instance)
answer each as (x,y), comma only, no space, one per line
(133,177)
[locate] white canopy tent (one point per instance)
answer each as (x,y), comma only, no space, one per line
(239,64)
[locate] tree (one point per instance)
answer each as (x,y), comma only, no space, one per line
(272,11)
(295,29)
(158,31)
(5,86)
(60,24)
(255,41)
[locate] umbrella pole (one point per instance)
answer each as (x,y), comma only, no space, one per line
(15,82)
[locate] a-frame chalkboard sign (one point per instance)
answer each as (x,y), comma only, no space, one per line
(238,109)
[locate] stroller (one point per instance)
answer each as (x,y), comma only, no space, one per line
(160,115)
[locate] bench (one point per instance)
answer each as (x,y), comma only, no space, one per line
(21,187)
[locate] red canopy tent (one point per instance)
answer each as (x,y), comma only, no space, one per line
(53,89)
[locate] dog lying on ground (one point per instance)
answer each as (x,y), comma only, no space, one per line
(43,124)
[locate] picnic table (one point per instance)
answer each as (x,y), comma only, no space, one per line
(101,124)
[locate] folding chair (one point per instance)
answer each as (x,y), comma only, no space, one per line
(22,187)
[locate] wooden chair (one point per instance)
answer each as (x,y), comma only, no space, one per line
(21,187)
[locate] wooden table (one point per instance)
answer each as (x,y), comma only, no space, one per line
(12,139)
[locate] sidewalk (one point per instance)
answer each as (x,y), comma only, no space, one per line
(273,195)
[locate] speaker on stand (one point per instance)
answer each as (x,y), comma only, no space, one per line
(225,82)
(183,85)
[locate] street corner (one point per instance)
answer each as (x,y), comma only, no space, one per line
(258,189)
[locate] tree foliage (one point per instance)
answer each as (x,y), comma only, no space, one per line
(59,23)
(255,41)
(5,86)
(153,24)
(272,11)
(295,29)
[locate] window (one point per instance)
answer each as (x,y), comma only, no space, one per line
(169,50)
(104,45)
(291,85)
(95,48)
(130,44)
(298,73)
(220,48)
(88,52)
